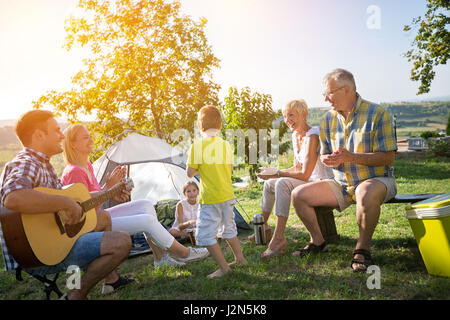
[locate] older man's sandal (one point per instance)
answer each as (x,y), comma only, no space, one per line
(366,262)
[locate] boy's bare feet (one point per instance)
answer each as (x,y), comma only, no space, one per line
(238,262)
(218,273)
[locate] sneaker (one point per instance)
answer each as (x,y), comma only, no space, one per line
(110,287)
(195,254)
(167,260)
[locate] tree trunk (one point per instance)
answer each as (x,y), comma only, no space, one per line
(156,121)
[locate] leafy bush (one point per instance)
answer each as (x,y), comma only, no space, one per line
(428,134)
(448,126)
(439,147)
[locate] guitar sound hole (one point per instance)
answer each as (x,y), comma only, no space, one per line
(72,230)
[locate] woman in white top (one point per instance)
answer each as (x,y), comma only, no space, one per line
(307,167)
(186,211)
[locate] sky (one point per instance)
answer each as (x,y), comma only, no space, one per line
(278,47)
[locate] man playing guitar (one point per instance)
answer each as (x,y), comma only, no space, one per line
(98,252)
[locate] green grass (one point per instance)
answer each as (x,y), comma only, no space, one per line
(326,276)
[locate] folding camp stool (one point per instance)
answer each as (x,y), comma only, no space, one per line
(49,285)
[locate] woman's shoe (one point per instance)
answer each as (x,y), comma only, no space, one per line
(311,248)
(167,260)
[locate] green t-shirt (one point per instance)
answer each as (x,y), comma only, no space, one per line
(213,159)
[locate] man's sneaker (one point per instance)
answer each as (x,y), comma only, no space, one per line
(167,260)
(195,254)
(122,281)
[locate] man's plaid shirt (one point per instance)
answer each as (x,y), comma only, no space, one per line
(29,169)
(367,129)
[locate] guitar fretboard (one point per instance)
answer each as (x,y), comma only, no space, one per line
(102,197)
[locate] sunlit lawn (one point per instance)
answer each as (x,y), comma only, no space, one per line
(326,276)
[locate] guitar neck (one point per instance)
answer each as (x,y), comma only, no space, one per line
(102,197)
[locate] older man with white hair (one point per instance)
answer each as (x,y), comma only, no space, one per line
(358,142)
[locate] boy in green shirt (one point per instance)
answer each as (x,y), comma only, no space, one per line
(211,156)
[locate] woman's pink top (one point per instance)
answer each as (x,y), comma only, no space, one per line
(73,174)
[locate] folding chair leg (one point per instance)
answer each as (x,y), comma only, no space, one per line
(50,285)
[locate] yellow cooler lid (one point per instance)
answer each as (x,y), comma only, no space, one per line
(434,202)
(428,213)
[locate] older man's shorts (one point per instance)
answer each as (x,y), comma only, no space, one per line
(215,220)
(389,182)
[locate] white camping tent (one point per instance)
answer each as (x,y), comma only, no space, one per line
(156,168)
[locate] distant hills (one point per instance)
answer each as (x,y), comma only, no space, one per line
(408,114)
(435,99)
(412,115)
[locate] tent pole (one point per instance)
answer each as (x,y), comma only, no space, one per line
(128,175)
(240,205)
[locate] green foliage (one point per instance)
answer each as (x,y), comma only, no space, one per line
(249,112)
(282,127)
(283,134)
(149,69)
(447,131)
(428,134)
(412,111)
(431,46)
(413,117)
(439,147)
(235,179)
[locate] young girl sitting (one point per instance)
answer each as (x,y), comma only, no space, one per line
(186,211)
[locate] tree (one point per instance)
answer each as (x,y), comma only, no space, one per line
(447,131)
(431,46)
(250,114)
(149,69)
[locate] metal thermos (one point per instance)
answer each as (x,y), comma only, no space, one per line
(258,226)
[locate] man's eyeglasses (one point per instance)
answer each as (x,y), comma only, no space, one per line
(328,94)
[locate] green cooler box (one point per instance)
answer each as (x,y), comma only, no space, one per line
(430,222)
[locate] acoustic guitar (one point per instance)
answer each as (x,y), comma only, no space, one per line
(43,239)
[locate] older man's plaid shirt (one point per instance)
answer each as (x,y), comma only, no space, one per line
(367,129)
(29,169)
